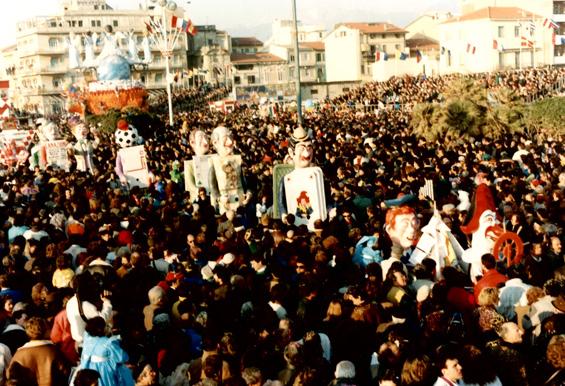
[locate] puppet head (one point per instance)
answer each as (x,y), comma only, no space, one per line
(126,135)
(301,148)
(402,226)
(222,141)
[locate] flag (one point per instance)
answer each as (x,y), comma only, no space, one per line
(385,56)
(474,49)
(174,21)
(495,44)
(148,26)
(442,50)
(191,28)
(562,40)
(526,42)
(550,23)
(468,47)
(532,28)
(418,56)
(471,49)
(377,56)
(428,189)
(403,56)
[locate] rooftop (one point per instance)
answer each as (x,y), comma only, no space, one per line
(369,28)
(246,41)
(318,46)
(259,57)
(495,13)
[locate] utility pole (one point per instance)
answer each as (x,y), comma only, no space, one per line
(297,66)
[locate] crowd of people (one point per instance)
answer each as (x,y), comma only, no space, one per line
(101,284)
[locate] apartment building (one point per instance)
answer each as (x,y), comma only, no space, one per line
(351,49)
(39,59)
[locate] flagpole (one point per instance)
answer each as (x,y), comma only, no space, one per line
(520,47)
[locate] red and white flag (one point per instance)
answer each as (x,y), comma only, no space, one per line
(526,42)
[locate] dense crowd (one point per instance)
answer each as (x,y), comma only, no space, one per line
(152,287)
(530,84)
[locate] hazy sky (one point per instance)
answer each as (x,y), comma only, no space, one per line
(247,17)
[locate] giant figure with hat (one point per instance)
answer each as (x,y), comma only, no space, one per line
(51,149)
(302,191)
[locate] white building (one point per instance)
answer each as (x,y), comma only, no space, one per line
(283,33)
(261,74)
(494,38)
(351,49)
(41,55)
(551,9)
(311,46)
(427,25)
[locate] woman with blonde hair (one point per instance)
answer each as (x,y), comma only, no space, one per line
(487,319)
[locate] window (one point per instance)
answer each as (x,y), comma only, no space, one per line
(516,59)
(397,46)
(98,23)
(53,42)
(501,60)
(53,62)
(93,23)
(115,23)
(292,58)
(158,78)
(362,69)
(250,79)
(343,33)
(318,57)
(73,23)
(210,42)
(56,83)
(95,7)
(314,91)
(345,89)
(516,31)
(237,79)
(80,23)
(53,24)
(372,36)
(397,36)
(383,36)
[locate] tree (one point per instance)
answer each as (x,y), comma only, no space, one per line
(546,118)
(468,111)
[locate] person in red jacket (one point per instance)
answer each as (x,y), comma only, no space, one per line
(491,277)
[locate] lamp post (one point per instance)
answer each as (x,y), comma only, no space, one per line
(297,68)
(165,42)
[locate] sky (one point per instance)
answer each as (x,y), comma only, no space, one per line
(250,17)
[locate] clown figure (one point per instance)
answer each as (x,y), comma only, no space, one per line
(131,161)
(83,148)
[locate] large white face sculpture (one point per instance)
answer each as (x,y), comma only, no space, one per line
(199,142)
(403,227)
(222,141)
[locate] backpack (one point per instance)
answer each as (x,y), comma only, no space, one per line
(456,328)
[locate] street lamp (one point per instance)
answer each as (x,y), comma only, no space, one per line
(165,42)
